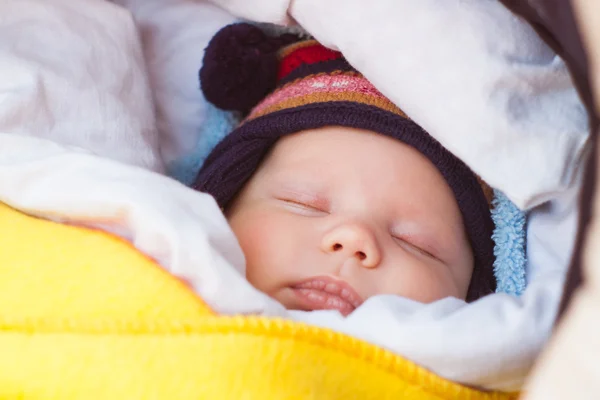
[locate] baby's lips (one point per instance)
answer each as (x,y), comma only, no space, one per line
(315,299)
(333,286)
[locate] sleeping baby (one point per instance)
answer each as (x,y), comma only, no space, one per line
(334,194)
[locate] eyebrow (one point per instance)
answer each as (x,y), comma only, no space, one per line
(299,188)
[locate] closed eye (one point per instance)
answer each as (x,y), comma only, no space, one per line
(414,247)
(304,208)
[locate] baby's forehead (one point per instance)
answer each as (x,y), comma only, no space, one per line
(328,141)
(357,160)
(344,149)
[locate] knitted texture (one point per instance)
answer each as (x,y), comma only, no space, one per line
(245,67)
(316,87)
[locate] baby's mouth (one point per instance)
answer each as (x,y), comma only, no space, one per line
(326,293)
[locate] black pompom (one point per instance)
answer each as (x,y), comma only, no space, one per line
(240,67)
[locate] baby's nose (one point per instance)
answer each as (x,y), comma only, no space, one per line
(353,240)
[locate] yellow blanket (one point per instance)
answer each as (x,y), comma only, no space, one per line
(83,315)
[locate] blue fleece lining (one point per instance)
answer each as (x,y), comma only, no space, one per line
(509,249)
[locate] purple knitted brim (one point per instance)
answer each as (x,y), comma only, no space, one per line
(233,162)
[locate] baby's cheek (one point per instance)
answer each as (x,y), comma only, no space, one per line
(463,270)
(262,240)
(422,282)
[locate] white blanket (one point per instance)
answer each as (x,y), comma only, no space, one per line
(63,167)
(72,88)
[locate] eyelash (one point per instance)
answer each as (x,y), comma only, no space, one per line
(303,205)
(415,247)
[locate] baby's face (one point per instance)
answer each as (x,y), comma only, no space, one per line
(336,215)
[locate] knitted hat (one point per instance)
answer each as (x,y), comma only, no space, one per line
(285,85)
